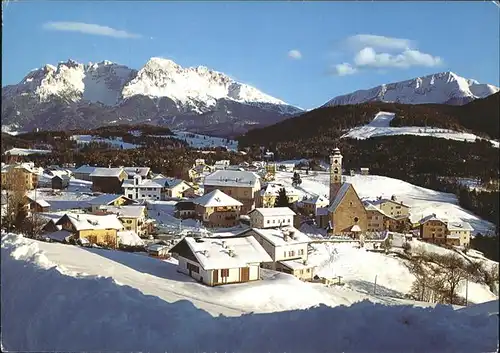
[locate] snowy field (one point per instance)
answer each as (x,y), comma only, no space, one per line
(421,200)
(115,143)
(205,141)
(96,300)
(25,151)
(379,126)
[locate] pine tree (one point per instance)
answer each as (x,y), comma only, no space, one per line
(282,199)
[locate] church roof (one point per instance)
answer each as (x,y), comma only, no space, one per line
(340,195)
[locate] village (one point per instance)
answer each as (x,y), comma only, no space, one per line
(223,225)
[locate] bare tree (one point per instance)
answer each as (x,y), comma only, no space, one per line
(14,187)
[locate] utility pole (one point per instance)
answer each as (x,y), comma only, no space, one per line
(467,290)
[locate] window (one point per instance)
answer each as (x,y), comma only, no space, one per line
(284,253)
(308,270)
(224,272)
(301,252)
(291,253)
(356,219)
(193,268)
(268,221)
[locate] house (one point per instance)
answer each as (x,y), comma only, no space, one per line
(199,161)
(37,205)
(83,172)
(322,217)
(108,180)
(160,251)
(198,171)
(268,194)
(347,214)
(185,209)
(146,189)
(433,229)
(109,200)
(127,238)
(364,171)
(287,248)
(60,182)
(174,188)
(459,234)
(144,172)
(243,186)
(311,205)
(14,173)
(271,217)
(217,261)
(60,236)
(216,209)
(222,164)
(101,230)
(392,207)
(133,217)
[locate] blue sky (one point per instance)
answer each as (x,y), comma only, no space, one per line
(302,52)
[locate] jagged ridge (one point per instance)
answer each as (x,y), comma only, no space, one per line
(440,88)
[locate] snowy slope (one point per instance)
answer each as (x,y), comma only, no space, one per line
(379,126)
(97,300)
(164,78)
(440,88)
(421,200)
(204,141)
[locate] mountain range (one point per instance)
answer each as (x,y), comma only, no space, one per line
(73,95)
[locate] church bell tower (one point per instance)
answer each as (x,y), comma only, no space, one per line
(335,173)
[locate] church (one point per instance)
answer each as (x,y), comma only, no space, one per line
(346,212)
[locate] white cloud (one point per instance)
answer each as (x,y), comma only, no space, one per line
(295,54)
(89,28)
(359,41)
(345,69)
(367,57)
(379,52)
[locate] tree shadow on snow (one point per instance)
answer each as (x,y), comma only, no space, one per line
(144,264)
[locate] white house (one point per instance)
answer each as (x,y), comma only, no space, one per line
(139,188)
(216,261)
(288,250)
(271,217)
(287,167)
(459,233)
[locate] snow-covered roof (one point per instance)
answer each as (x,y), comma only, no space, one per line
(86,169)
(170,183)
(42,203)
(273,189)
(431,217)
(274,211)
(106,172)
(128,211)
(355,228)
(340,195)
(297,264)
(59,235)
(104,199)
(144,183)
(84,221)
(216,253)
(232,178)
(381,201)
(129,237)
(317,200)
(142,171)
(276,236)
(459,226)
(156,247)
(216,198)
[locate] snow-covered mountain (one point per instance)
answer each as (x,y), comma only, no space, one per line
(440,88)
(89,95)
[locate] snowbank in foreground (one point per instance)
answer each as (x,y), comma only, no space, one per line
(47,308)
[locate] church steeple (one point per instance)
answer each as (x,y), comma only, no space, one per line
(335,173)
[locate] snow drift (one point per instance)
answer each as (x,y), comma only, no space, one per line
(47,308)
